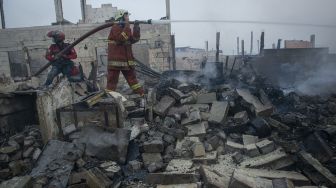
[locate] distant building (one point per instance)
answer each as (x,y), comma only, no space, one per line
(98,15)
(298,44)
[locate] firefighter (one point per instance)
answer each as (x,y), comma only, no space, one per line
(120,55)
(63,64)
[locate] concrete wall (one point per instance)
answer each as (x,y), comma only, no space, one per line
(35,41)
(99,15)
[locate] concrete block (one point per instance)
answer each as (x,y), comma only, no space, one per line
(274,160)
(293,176)
(241,117)
(218,112)
(182,111)
(198,149)
(69,129)
(213,179)
(234,147)
(194,117)
(171,178)
(200,107)
(206,98)
(165,103)
(249,139)
(196,129)
(259,108)
(149,158)
(8,149)
(265,146)
(251,150)
(96,178)
(176,94)
(154,146)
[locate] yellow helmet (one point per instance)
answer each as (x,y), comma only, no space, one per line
(120,13)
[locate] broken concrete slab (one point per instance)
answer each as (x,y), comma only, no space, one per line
(18,182)
(198,129)
(181,142)
(182,111)
(69,129)
(191,99)
(200,107)
(177,133)
(153,146)
(275,160)
(57,167)
(149,158)
(259,108)
(171,178)
(297,178)
(165,103)
(213,179)
(104,144)
(218,112)
(193,117)
(206,98)
(265,146)
(249,139)
(239,180)
(325,176)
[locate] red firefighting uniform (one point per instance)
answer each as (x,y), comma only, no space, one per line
(120,56)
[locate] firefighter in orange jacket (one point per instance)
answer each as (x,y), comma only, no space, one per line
(120,55)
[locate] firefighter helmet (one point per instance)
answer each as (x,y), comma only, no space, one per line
(120,13)
(57,36)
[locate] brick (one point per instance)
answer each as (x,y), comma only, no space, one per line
(206,98)
(213,179)
(197,129)
(266,146)
(293,176)
(154,146)
(165,103)
(274,160)
(218,112)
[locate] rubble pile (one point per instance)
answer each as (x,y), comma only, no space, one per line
(234,133)
(19,153)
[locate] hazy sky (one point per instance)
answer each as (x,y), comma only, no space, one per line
(21,13)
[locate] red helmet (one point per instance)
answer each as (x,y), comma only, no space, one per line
(56,35)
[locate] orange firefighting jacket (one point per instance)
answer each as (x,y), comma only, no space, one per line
(121,39)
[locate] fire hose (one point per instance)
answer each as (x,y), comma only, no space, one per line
(80,39)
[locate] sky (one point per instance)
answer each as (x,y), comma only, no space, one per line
(23,13)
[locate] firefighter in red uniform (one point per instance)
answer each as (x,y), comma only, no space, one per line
(63,64)
(120,55)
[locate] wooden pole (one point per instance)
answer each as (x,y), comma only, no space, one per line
(238,46)
(242,46)
(217,46)
(262,42)
(172,40)
(251,48)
